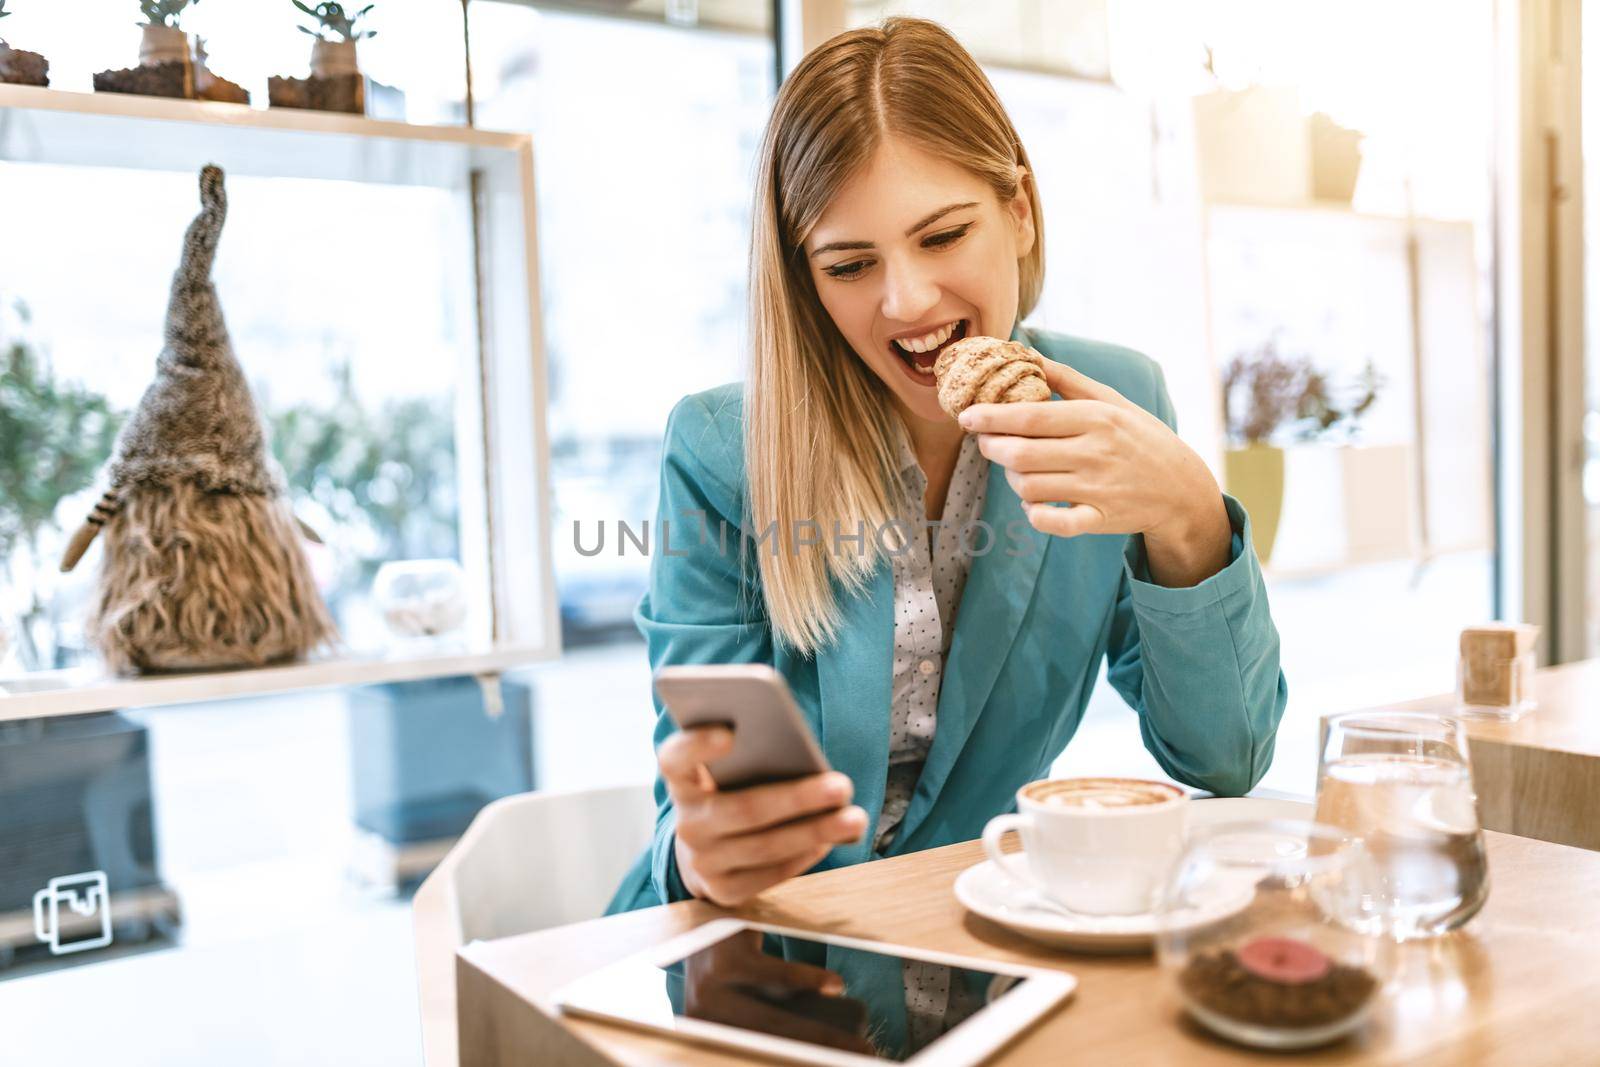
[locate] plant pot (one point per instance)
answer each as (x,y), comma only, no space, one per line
(1335,159)
(163,44)
(23,68)
(1251,146)
(336,83)
(332,58)
(1255,478)
(165,67)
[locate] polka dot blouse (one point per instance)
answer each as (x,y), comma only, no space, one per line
(928,580)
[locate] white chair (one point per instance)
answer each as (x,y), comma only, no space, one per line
(527,862)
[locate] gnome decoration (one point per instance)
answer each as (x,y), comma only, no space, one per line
(203,566)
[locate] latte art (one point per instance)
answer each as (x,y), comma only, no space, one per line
(1100,794)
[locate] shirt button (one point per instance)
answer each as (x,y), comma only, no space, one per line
(926,666)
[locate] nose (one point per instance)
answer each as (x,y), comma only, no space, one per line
(909,291)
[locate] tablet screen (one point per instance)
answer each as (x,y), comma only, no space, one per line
(890,1008)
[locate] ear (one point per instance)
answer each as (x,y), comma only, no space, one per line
(1020,209)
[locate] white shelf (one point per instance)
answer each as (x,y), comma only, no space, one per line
(156,133)
(75,692)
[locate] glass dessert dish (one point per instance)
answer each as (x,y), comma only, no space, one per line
(1297,960)
(421,597)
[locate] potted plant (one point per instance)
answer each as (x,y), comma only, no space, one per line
(166,66)
(1267,399)
(19,67)
(336,83)
(334,48)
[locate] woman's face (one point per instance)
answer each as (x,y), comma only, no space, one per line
(913,254)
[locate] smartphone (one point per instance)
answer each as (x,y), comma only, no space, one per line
(771,739)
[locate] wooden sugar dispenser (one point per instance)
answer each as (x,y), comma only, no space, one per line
(1495,672)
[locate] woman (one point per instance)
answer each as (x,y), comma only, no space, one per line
(895,212)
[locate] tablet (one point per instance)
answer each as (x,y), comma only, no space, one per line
(743,985)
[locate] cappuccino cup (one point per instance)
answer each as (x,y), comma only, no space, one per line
(1096,846)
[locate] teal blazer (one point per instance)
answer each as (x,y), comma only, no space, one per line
(1038,614)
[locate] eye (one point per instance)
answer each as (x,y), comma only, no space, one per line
(946,237)
(846,271)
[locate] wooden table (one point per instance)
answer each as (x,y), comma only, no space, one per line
(1540,775)
(1519,985)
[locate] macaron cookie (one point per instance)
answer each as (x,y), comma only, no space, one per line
(988,370)
(1283,959)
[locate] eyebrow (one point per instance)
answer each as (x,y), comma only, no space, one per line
(846,246)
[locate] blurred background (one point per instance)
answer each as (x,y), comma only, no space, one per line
(1354,249)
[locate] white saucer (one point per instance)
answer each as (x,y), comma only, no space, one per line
(986,890)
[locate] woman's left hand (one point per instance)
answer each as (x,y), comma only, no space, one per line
(1122,468)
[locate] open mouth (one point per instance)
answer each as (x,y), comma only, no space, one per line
(920,353)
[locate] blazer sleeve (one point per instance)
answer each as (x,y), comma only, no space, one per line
(701,605)
(1200,664)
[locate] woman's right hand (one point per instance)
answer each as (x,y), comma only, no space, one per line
(731,845)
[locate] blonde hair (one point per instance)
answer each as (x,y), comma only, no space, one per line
(820,441)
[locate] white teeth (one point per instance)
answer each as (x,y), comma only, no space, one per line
(928,342)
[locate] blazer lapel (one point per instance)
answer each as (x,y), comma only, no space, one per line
(856,689)
(998,590)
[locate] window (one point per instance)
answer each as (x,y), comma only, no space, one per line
(262,842)
(1385,548)
(645,137)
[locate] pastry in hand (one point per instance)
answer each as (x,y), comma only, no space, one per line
(987,370)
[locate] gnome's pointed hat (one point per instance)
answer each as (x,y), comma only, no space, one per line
(197,421)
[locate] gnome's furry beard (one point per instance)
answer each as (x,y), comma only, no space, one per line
(197,579)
